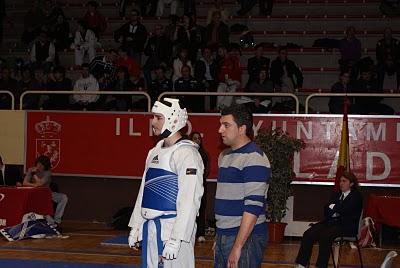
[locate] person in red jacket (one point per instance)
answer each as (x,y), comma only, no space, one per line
(94,20)
(229,76)
(128,62)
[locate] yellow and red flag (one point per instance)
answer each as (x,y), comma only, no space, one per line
(344,156)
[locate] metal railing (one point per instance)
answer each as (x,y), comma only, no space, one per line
(168,93)
(69,92)
(11,95)
(382,95)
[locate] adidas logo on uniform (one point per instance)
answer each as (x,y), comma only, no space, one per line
(155,160)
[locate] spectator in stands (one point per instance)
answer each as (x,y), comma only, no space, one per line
(285,75)
(217,32)
(86,82)
(26,83)
(388,58)
(218,6)
(147,7)
(60,32)
(171,32)
(367,83)
(33,22)
(161,4)
(179,62)
(247,5)
(198,38)
(189,84)
(51,12)
(341,218)
(128,62)
(256,64)
(189,6)
(185,35)
(94,20)
(39,82)
(40,175)
(159,84)
(260,104)
(205,72)
(122,83)
(229,76)
(342,86)
(9,174)
(6,82)
(350,50)
(43,51)
(158,51)
(139,102)
(58,82)
(132,35)
(103,68)
(85,43)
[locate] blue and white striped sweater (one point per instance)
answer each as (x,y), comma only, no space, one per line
(242,184)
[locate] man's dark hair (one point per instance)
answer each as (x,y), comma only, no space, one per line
(45,161)
(241,115)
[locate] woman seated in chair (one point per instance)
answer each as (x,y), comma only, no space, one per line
(342,215)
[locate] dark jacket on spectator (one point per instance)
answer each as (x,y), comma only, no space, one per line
(138,35)
(386,51)
(255,65)
(222,34)
(293,72)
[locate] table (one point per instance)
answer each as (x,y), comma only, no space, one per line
(15,202)
(383,210)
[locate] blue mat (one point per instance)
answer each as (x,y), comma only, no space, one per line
(55,264)
(121,240)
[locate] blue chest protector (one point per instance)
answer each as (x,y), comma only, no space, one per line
(161,182)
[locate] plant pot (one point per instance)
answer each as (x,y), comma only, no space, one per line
(276,231)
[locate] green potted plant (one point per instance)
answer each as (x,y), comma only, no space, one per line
(279,147)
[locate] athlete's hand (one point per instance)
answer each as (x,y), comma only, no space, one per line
(171,249)
(133,239)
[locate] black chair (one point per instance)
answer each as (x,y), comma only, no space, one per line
(350,239)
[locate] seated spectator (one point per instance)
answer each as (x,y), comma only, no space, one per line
(94,20)
(205,72)
(260,104)
(43,51)
(367,83)
(350,50)
(159,84)
(60,32)
(388,57)
(217,32)
(247,6)
(341,218)
(179,62)
(139,102)
(122,83)
(9,174)
(158,51)
(218,6)
(189,84)
(229,76)
(171,32)
(147,7)
(128,62)
(342,86)
(285,75)
(10,84)
(40,175)
(86,82)
(132,36)
(197,37)
(256,64)
(85,43)
(58,82)
(51,12)
(161,4)
(30,101)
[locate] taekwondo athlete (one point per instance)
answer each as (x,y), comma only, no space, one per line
(164,216)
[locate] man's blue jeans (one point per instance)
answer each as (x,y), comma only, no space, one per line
(252,252)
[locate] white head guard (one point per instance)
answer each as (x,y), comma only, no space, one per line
(175,117)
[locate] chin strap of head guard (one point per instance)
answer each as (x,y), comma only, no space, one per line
(175,117)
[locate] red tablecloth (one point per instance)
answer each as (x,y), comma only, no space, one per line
(384,210)
(16,201)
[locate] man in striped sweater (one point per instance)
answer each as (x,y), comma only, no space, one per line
(244,172)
